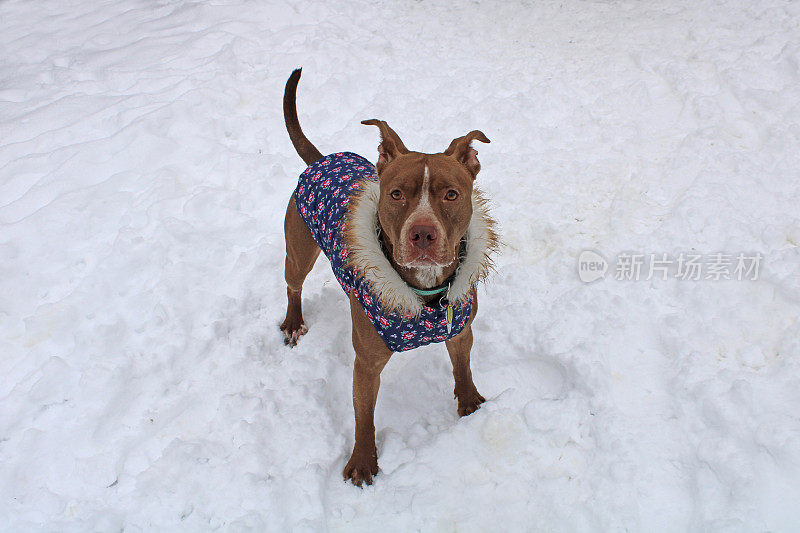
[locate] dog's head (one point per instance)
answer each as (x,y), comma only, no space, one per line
(425,202)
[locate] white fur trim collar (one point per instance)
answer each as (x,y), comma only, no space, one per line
(368,260)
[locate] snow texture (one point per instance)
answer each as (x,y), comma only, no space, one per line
(144,174)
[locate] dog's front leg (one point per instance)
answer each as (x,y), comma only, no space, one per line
(372,354)
(469,399)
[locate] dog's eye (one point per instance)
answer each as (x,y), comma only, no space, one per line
(451,195)
(396,194)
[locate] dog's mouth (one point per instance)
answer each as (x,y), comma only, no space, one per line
(416,258)
(422,259)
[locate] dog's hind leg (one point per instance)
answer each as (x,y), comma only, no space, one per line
(301,254)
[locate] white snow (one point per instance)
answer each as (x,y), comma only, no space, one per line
(144,173)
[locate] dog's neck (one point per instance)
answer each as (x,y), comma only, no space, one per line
(419,277)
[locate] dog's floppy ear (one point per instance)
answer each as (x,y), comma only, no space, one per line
(462,150)
(391,146)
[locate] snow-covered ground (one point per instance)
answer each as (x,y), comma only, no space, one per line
(144,173)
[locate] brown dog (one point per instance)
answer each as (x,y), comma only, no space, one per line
(408,248)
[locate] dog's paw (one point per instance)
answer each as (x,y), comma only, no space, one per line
(291,334)
(360,468)
(469,402)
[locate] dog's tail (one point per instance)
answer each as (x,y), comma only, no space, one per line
(304,148)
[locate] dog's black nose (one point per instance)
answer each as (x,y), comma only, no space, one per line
(422,236)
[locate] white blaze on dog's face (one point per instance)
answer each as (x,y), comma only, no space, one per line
(425,203)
